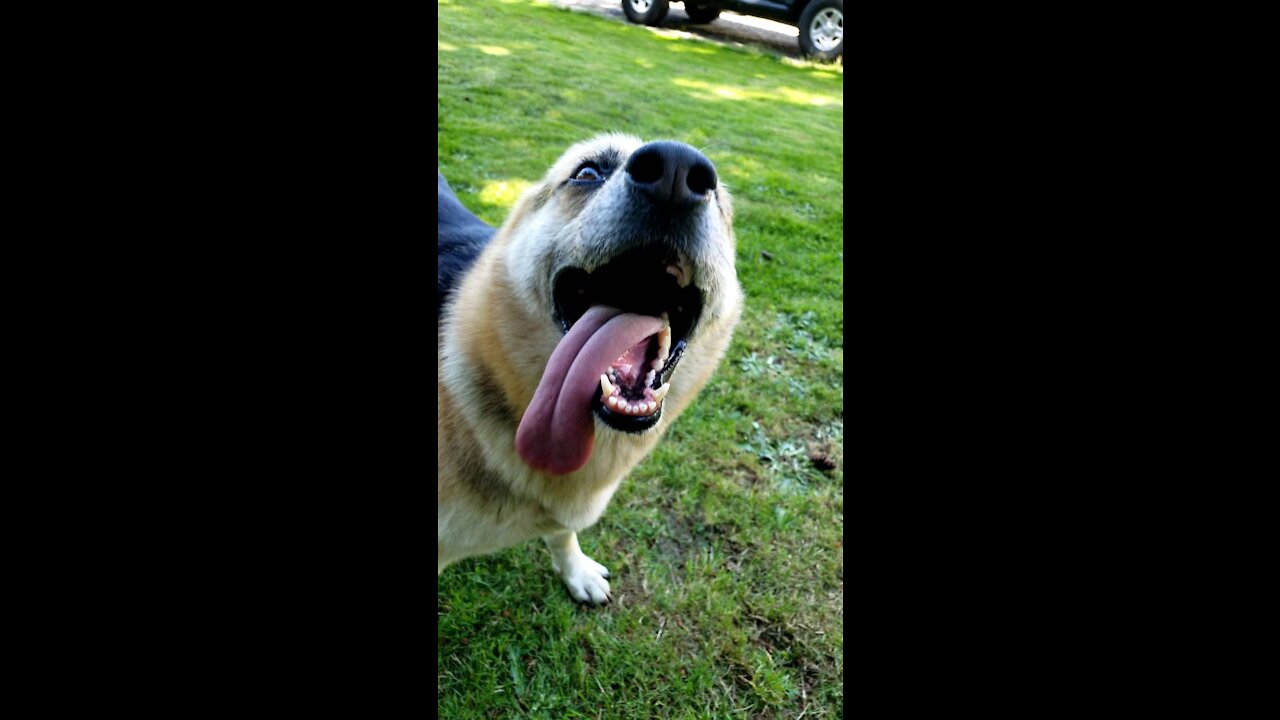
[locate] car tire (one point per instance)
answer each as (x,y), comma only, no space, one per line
(700,13)
(645,12)
(822,30)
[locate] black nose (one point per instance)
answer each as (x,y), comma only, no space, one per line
(672,174)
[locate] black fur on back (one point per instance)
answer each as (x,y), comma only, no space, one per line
(462,236)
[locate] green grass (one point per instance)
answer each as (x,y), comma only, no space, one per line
(726,543)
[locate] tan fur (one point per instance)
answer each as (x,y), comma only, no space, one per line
(493,345)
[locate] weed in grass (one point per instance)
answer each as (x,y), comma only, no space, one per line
(786,461)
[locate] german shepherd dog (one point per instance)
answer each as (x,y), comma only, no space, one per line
(571,339)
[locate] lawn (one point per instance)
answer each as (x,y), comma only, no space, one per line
(725,545)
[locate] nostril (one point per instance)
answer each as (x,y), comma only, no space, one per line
(701,179)
(646,167)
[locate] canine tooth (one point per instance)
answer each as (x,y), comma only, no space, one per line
(664,342)
(605,386)
(613,401)
(658,363)
(652,406)
(648,379)
(661,392)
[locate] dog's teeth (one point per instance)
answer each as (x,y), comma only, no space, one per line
(678,272)
(652,406)
(661,392)
(605,386)
(657,363)
(648,379)
(613,401)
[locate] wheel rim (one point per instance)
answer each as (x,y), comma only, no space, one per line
(640,6)
(826,30)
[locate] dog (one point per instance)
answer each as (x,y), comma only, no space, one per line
(570,339)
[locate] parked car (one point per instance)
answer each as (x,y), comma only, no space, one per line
(821,22)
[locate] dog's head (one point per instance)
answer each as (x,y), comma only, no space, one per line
(626,250)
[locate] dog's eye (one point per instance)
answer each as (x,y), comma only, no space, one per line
(588,173)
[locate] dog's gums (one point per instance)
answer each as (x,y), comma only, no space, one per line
(620,390)
(624,389)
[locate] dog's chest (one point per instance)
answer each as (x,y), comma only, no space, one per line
(473,528)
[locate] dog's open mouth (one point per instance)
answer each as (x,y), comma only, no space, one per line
(626,325)
(649,283)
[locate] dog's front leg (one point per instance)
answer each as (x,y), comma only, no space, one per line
(584,577)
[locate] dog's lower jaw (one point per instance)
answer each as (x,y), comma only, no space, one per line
(584,577)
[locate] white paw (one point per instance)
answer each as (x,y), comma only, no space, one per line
(585,579)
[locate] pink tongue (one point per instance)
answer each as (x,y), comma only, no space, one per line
(557,432)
